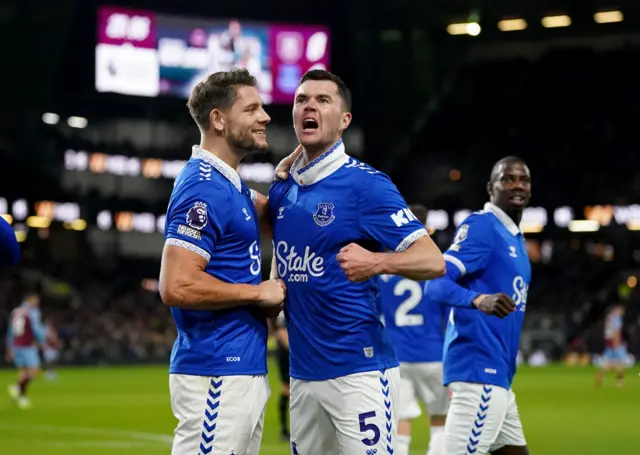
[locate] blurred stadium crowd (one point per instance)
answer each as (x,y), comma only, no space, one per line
(570,111)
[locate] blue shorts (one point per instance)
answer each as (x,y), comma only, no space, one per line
(26,357)
(51,355)
(615,355)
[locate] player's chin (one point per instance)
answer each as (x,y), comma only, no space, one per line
(260,142)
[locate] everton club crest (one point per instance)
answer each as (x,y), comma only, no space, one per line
(324,216)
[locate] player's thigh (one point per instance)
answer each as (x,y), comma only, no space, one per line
(511,433)
(216,414)
(312,432)
(428,383)
(27,359)
(475,416)
(363,408)
(256,437)
(408,405)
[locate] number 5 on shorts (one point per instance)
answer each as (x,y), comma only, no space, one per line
(364,427)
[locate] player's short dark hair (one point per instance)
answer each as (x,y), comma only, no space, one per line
(420,211)
(217,91)
(323,75)
(505,160)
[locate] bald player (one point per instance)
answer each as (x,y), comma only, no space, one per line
(487,282)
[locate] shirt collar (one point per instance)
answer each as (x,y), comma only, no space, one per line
(321,167)
(505,219)
(223,168)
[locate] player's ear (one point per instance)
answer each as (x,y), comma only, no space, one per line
(346,121)
(216,120)
(489,188)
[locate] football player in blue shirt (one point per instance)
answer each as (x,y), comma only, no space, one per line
(332,219)
(488,276)
(416,327)
(9,248)
(211,277)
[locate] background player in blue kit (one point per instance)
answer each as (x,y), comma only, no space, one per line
(488,275)
(416,327)
(332,218)
(210,277)
(25,332)
(615,354)
(9,248)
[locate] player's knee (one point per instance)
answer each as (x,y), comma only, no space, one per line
(404,427)
(438,420)
(511,450)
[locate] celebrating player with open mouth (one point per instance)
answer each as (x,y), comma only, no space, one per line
(332,218)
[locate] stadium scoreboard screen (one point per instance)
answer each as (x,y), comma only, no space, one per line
(147,54)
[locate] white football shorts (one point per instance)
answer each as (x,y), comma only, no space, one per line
(354,414)
(218,415)
(422,382)
(482,418)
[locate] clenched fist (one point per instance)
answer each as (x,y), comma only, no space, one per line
(357,263)
(272,293)
(499,305)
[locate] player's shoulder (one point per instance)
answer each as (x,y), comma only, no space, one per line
(197,178)
(483,219)
(367,179)
(361,170)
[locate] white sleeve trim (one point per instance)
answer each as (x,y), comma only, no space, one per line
(254,196)
(190,247)
(457,262)
(408,240)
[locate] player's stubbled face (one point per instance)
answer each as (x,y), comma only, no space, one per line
(318,118)
(512,186)
(246,121)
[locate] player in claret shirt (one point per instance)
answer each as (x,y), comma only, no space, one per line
(488,275)
(25,332)
(211,277)
(332,219)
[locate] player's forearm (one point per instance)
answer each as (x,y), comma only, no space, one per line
(421,261)
(201,291)
(447,291)
(38,332)
(283,338)
(273,273)
(261,203)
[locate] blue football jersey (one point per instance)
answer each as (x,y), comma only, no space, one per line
(490,252)
(334,324)
(415,322)
(211,213)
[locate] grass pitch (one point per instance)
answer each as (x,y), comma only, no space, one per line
(109,411)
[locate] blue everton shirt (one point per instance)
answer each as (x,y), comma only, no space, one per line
(490,254)
(334,325)
(415,322)
(211,213)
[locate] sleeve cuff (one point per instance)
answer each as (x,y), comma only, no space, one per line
(189,246)
(408,240)
(457,262)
